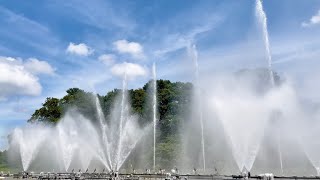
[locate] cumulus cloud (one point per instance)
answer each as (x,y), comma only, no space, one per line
(132,48)
(15,79)
(36,66)
(312,21)
(107,59)
(79,49)
(20,77)
(130,70)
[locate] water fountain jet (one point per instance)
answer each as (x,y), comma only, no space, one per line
(29,142)
(154,106)
(262,19)
(194,56)
(122,114)
(77,138)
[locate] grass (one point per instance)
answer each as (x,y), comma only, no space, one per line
(4,168)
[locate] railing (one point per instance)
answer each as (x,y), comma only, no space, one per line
(146,176)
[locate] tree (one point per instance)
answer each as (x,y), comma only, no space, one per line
(49,112)
(4,161)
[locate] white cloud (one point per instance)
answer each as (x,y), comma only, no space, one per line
(130,70)
(132,48)
(36,66)
(312,21)
(107,59)
(79,49)
(19,77)
(15,79)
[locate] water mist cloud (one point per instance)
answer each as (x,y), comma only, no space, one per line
(245,114)
(251,112)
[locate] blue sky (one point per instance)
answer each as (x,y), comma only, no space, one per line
(47,47)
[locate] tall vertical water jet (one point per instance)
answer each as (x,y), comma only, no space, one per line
(262,19)
(194,56)
(122,116)
(154,106)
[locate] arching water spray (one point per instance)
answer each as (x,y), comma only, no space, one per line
(77,138)
(68,147)
(104,130)
(154,101)
(309,142)
(28,143)
(194,55)
(262,19)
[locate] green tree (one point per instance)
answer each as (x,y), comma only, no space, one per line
(49,112)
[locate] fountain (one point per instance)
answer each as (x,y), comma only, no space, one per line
(245,145)
(69,139)
(28,141)
(262,19)
(194,56)
(120,136)
(242,111)
(69,143)
(77,138)
(154,106)
(311,150)
(280,153)
(310,144)
(122,116)
(104,130)
(244,123)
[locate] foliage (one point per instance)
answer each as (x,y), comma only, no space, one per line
(3,161)
(49,112)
